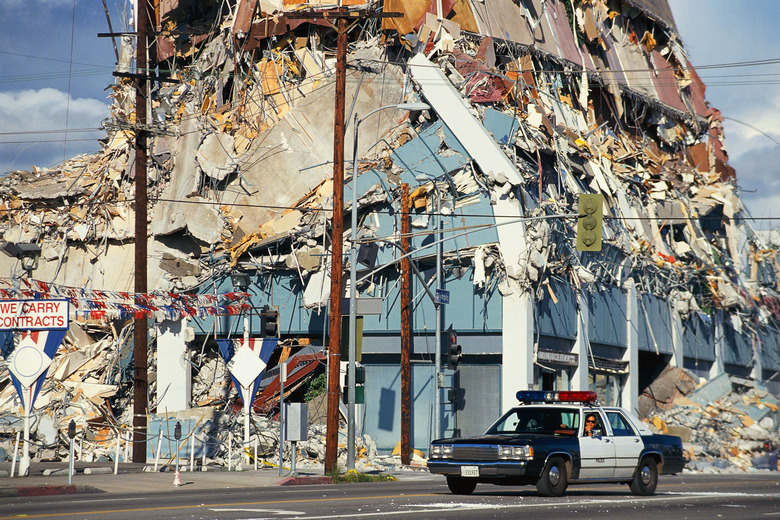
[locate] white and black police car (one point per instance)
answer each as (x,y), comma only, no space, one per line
(544,441)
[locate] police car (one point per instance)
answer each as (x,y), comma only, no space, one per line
(545,441)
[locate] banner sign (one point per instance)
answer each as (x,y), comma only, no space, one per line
(34,314)
(247,363)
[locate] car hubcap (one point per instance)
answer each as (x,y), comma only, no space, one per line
(645,475)
(555,476)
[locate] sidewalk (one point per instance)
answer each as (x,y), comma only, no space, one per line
(131,478)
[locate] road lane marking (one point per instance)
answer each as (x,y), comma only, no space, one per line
(256,510)
(431,508)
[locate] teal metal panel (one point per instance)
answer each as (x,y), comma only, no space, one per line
(557,319)
(770,348)
(607,316)
(382,419)
(469,309)
(737,348)
(421,154)
(698,337)
(501,125)
(655,325)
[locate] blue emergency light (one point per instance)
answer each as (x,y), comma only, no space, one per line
(542,396)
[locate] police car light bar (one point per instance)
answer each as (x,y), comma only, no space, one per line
(536,396)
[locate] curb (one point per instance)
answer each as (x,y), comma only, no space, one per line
(303,481)
(40,491)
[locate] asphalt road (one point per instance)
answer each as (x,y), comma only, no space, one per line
(753,496)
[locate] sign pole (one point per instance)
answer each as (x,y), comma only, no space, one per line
(24,464)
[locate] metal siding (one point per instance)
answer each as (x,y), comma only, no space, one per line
(481,406)
(655,323)
(281,289)
(557,319)
(770,348)
(607,317)
(382,420)
(737,348)
(698,338)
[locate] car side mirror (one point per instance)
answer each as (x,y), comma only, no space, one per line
(596,433)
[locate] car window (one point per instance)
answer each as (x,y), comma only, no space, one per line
(599,424)
(545,421)
(620,425)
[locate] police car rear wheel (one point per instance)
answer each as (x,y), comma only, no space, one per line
(645,478)
(554,479)
(461,486)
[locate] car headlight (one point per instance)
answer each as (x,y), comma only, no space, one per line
(515,452)
(440,451)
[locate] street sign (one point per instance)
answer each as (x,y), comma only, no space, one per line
(442,297)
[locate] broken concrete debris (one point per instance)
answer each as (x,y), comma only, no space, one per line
(532,104)
(724,423)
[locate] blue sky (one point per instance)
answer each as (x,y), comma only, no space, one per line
(55,71)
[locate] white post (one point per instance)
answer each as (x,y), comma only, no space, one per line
(230,451)
(581,344)
(192,452)
(116,456)
(127,446)
(255,453)
(16,454)
(24,464)
(157,453)
(282,379)
(203,455)
(81,448)
(630,392)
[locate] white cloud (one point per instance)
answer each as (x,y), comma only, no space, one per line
(43,110)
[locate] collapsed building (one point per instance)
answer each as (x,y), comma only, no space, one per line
(531,104)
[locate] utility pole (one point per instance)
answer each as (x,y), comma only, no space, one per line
(406,329)
(144,14)
(340,16)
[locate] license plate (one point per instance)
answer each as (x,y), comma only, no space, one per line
(469,471)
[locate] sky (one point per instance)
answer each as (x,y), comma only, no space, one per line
(54,74)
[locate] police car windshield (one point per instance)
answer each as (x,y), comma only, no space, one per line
(538,420)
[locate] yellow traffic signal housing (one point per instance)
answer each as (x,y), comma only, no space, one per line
(590,222)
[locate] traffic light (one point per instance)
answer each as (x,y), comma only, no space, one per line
(360,374)
(454,352)
(269,322)
(589,222)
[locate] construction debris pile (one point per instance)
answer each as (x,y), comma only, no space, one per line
(724,423)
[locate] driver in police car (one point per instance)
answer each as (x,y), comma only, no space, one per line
(590,424)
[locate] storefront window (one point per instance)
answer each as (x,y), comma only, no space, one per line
(554,379)
(608,387)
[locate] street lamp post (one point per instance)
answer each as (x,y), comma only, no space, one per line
(353,282)
(437,373)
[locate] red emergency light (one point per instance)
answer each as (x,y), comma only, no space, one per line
(537,396)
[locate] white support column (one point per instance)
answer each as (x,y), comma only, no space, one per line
(720,340)
(579,380)
(174,377)
(517,369)
(630,394)
(678,347)
(757,374)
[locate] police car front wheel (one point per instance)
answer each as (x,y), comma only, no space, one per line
(554,479)
(461,485)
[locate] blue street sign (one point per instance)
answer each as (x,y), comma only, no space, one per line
(442,297)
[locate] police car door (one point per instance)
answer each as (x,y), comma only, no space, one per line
(597,453)
(628,444)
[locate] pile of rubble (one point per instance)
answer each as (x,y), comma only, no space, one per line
(724,423)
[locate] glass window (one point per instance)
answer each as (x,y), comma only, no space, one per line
(621,427)
(545,421)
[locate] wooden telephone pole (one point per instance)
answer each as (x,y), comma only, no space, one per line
(145,13)
(340,16)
